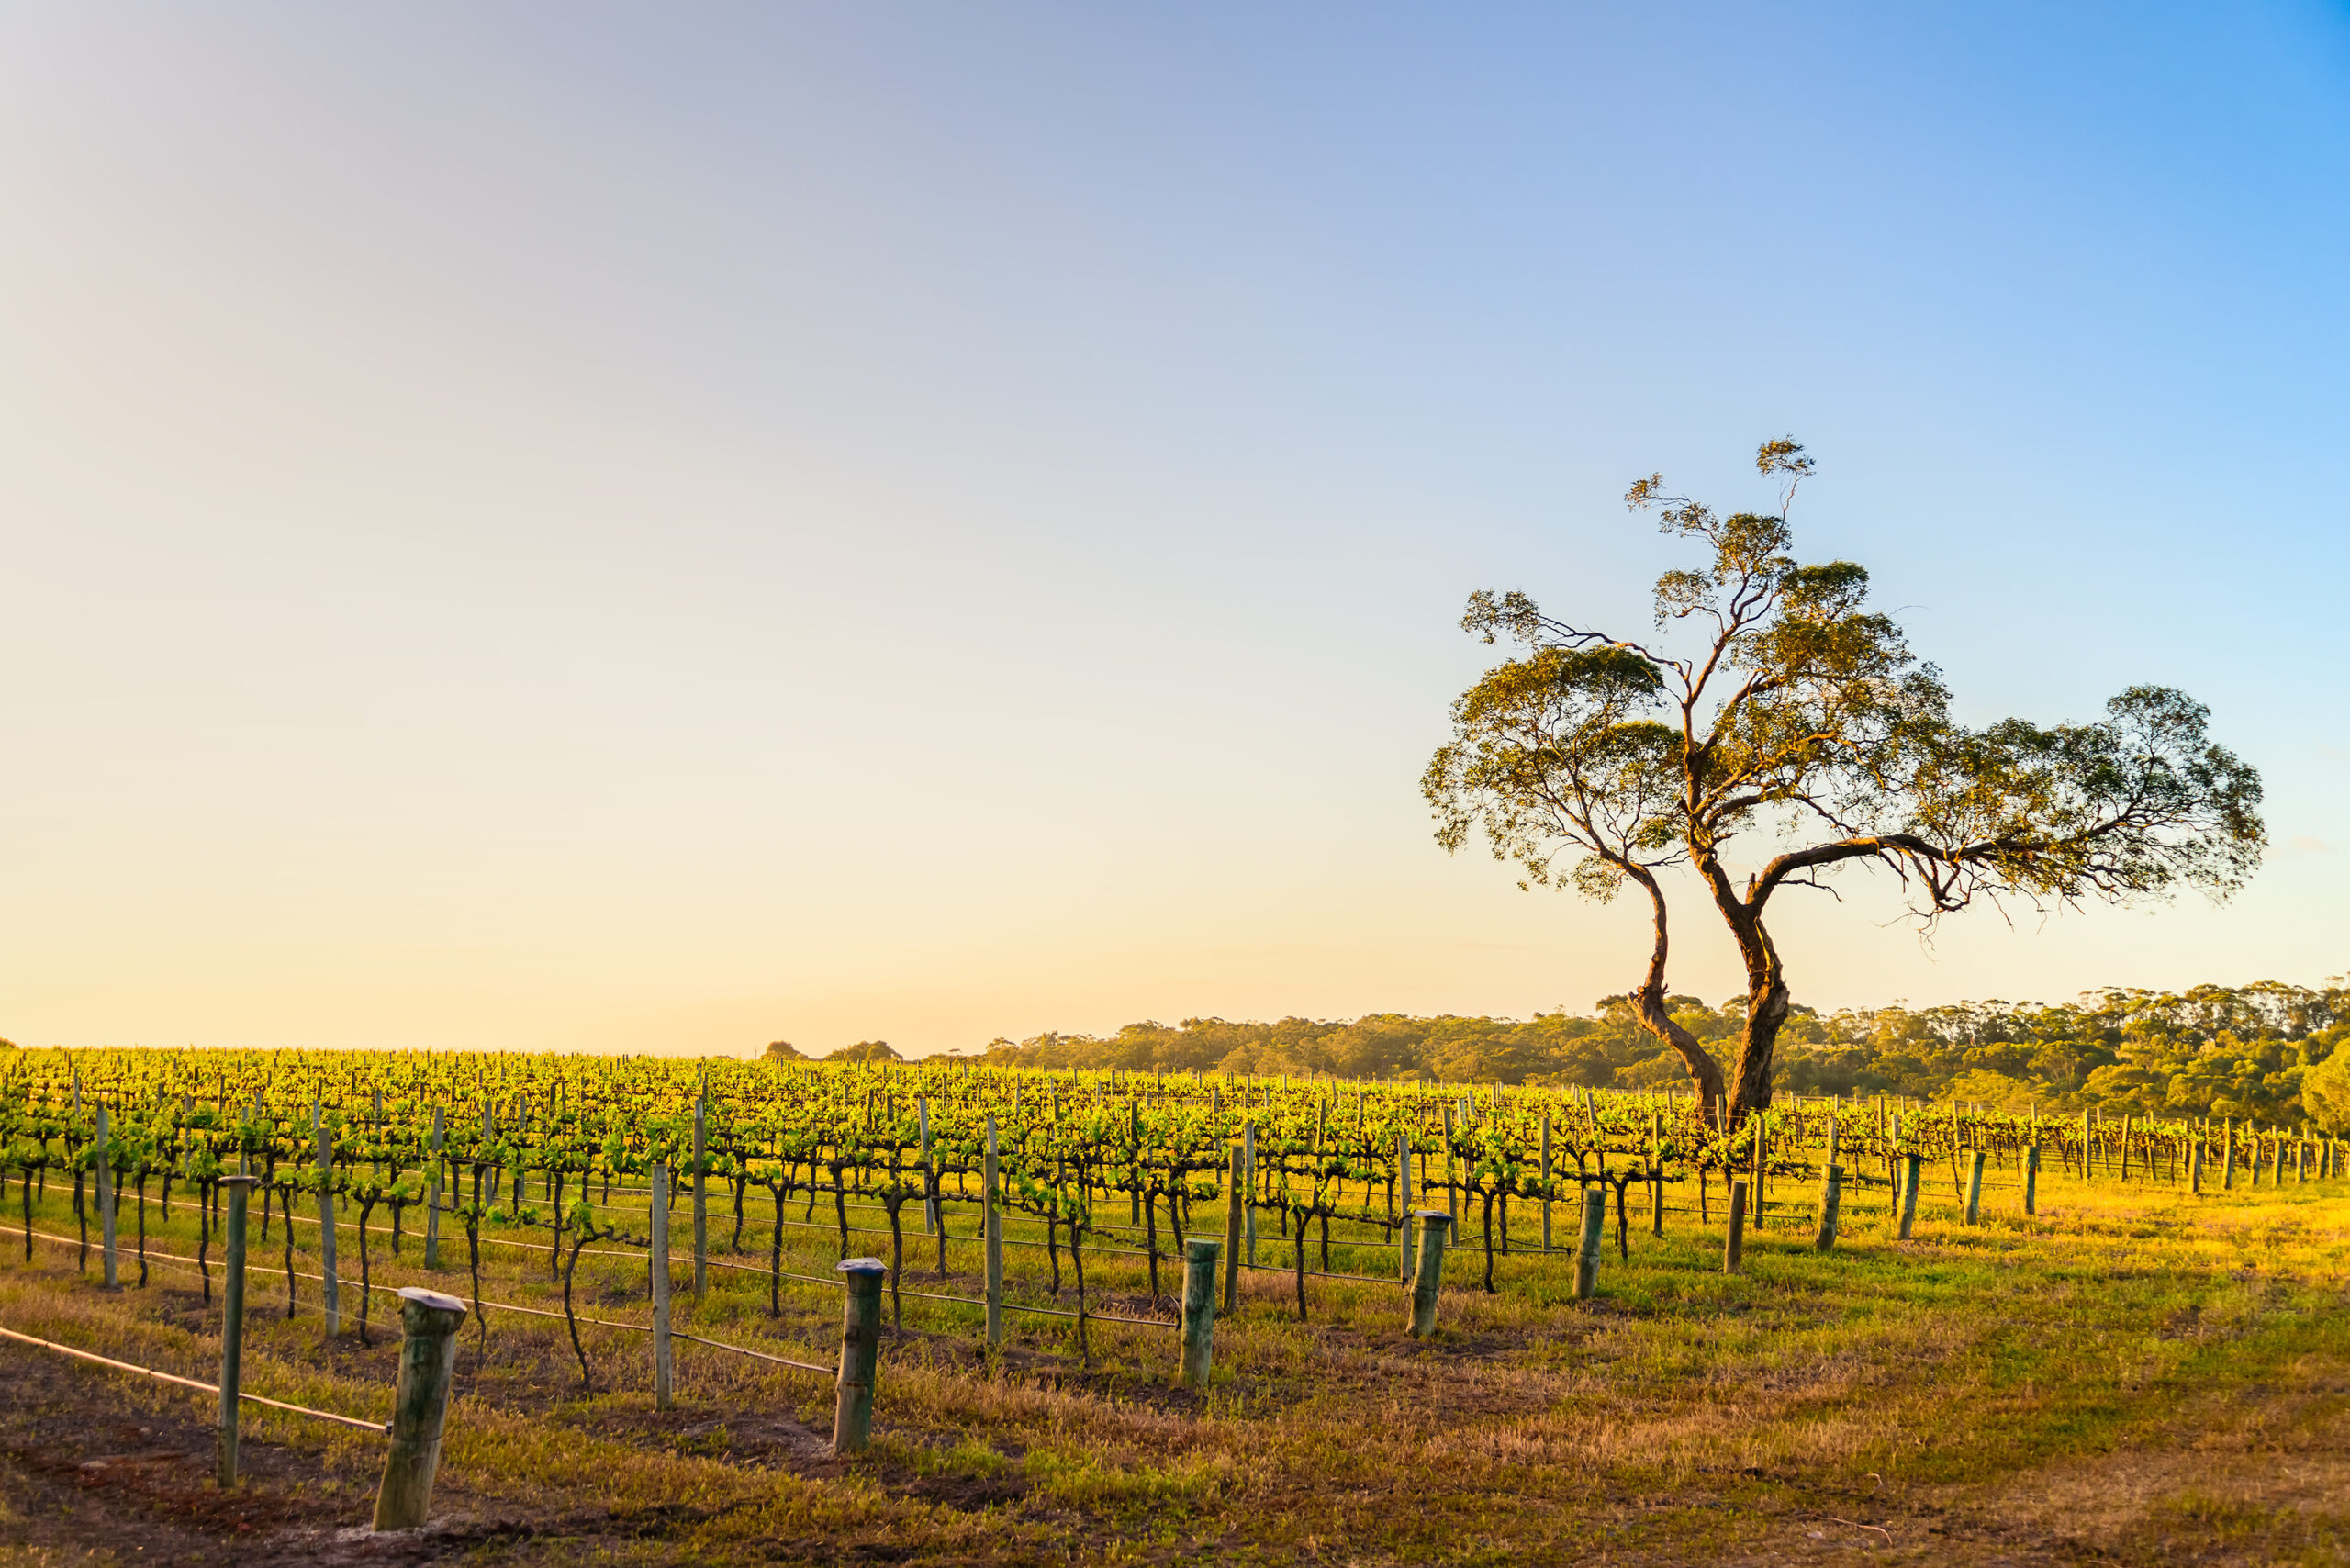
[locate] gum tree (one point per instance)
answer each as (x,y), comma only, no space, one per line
(1774,708)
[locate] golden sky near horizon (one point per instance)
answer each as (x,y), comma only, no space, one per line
(560,530)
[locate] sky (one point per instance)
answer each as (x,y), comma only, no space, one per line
(595,527)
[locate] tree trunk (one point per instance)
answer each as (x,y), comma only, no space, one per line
(1705,1072)
(1766,990)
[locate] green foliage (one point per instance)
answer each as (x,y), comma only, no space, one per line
(865,1050)
(2325,1092)
(2244,1051)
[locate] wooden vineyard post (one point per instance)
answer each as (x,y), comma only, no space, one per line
(1656,1175)
(1912,1166)
(860,1353)
(2031,1179)
(433,1196)
(1594,1230)
(1453,1188)
(1831,1200)
(1428,1279)
(1235,1201)
(1248,1178)
(702,1197)
(2125,1148)
(2195,1165)
(330,1288)
(109,1261)
(1403,1185)
(659,1264)
(232,1323)
(1546,1182)
(428,1323)
(1200,1256)
(2228,1155)
(1734,1249)
(1974,1189)
(993,1225)
(929,1181)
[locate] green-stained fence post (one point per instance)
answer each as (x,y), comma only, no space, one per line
(2031,1179)
(232,1323)
(1974,1189)
(1831,1201)
(1404,1206)
(1428,1279)
(1200,1256)
(432,1198)
(860,1353)
(2228,1156)
(1546,1182)
(701,1197)
(1249,1188)
(428,1323)
(993,1226)
(1235,1201)
(1912,1166)
(929,1181)
(1734,1248)
(110,1260)
(1594,1230)
(330,1288)
(657,1266)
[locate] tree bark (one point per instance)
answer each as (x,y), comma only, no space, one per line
(1766,988)
(1705,1072)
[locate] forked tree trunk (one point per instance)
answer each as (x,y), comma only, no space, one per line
(1705,1072)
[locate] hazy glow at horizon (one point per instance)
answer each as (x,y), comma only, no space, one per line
(550,528)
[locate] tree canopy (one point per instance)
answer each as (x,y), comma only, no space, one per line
(1774,706)
(2250,1051)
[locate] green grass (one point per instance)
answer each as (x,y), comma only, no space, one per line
(2134,1374)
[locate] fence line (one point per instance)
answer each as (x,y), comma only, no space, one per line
(378,1428)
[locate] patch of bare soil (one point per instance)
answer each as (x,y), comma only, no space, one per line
(84,1468)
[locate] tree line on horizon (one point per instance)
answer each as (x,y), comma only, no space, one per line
(2247,1052)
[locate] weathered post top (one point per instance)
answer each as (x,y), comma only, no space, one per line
(421,1296)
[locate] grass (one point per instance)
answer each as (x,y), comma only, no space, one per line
(2134,1374)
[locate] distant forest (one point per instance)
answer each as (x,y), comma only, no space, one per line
(2216,1050)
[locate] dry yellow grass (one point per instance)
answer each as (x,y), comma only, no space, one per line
(2134,1375)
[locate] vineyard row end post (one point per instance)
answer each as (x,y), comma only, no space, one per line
(993,1226)
(1594,1230)
(232,1325)
(1831,1200)
(1248,1189)
(1403,1201)
(1428,1280)
(428,1323)
(860,1353)
(1912,1166)
(658,1263)
(1546,1182)
(929,1178)
(701,1198)
(432,1197)
(110,1260)
(1734,1244)
(1200,1256)
(1974,1189)
(2031,1179)
(330,1288)
(1235,1201)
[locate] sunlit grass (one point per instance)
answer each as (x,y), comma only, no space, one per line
(2132,1365)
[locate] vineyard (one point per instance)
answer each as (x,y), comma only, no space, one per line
(649,1250)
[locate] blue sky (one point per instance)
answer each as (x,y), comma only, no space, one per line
(572,525)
